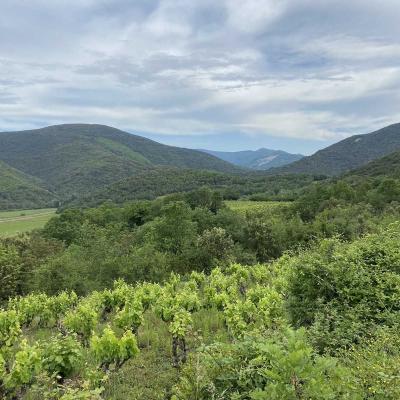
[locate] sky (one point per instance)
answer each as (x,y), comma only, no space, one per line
(295,75)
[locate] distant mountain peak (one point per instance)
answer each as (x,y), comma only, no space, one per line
(260,159)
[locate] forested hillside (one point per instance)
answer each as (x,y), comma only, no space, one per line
(385,166)
(80,164)
(348,154)
(80,158)
(17,188)
(156,182)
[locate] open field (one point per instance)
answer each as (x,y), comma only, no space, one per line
(14,222)
(247,205)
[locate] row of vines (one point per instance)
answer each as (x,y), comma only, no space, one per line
(66,347)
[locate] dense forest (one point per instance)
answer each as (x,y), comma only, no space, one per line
(159,181)
(183,297)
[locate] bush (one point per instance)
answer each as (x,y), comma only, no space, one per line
(375,363)
(10,271)
(281,367)
(343,291)
(61,356)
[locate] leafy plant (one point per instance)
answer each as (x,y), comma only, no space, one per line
(61,356)
(109,350)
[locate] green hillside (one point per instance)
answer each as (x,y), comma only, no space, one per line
(155,182)
(79,158)
(385,166)
(348,154)
(19,190)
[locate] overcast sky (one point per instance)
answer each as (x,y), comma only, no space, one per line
(218,74)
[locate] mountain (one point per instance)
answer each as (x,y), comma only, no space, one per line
(347,154)
(74,159)
(261,159)
(385,166)
(17,188)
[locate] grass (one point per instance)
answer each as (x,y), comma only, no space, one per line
(151,376)
(15,222)
(243,206)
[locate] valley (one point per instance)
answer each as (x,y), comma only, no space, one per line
(148,270)
(199,200)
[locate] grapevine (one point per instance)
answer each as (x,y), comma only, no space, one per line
(244,296)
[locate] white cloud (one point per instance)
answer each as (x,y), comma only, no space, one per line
(254,15)
(264,67)
(342,47)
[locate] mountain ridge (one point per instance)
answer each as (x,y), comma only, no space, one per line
(76,161)
(348,154)
(77,158)
(260,159)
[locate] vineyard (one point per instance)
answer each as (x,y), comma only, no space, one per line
(242,206)
(69,347)
(84,340)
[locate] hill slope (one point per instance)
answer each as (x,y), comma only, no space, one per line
(261,159)
(79,158)
(18,190)
(348,154)
(385,166)
(160,181)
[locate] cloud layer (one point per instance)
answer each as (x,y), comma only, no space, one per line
(300,69)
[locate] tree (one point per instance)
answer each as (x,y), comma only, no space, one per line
(205,198)
(65,227)
(174,230)
(216,246)
(10,270)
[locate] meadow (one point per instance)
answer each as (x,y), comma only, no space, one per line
(14,222)
(242,206)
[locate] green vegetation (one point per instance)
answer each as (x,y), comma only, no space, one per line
(21,190)
(161,181)
(15,222)
(233,287)
(243,206)
(86,165)
(255,332)
(82,165)
(388,166)
(72,160)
